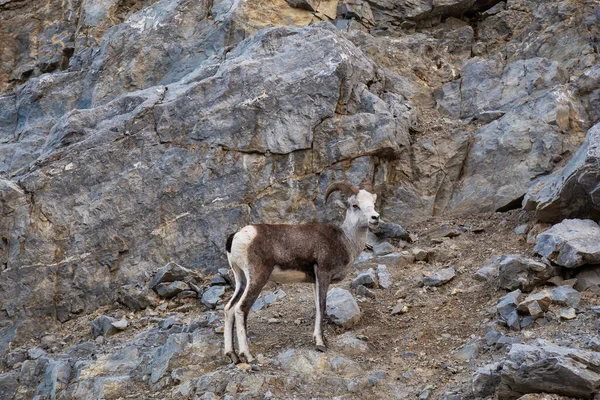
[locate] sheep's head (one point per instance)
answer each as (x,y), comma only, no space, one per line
(360,204)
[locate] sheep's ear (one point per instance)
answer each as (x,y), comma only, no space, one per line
(341,204)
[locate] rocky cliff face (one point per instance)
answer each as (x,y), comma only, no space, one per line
(137,133)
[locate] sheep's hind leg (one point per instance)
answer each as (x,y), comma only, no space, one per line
(253,288)
(321,288)
(229,312)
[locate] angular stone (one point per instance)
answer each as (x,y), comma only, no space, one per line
(365,292)
(535,310)
(168,290)
(571,192)
(588,279)
(342,308)
(170,273)
(510,153)
(384,277)
(390,230)
(137,297)
(366,278)
(566,296)
(212,296)
(507,309)
(486,379)
(571,243)
(267,298)
(399,308)
(103,326)
(551,369)
(489,272)
(518,272)
(420,254)
(567,314)
(439,278)
(381,249)
(349,344)
(543,299)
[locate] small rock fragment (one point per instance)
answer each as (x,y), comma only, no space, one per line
(212,296)
(567,314)
(440,277)
(399,308)
(366,278)
(384,277)
(507,309)
(381,249)
(170,273)
(566,296)
(171,289)
(364,292)
(420,254)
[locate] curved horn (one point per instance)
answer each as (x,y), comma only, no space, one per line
(345,187)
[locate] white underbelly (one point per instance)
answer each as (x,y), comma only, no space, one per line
(288,276)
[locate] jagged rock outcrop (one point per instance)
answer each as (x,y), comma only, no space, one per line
(573,191)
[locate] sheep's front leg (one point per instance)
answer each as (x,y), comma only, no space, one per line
(321,288)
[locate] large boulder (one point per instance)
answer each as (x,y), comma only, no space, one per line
(571,243)
(519,272)
(572,192)
(508,154)
(548,368)
(165,174)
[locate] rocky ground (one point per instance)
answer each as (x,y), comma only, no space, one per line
(424,335)
(136,135)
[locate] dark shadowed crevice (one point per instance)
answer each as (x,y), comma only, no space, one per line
(513,205)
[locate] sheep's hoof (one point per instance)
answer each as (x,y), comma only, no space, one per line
(321,348)
(246,358)
(234,358)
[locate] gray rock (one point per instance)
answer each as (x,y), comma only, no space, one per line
(486,379)
(366,278)
(420,254)
(381,249)
(349,344)
(588,279)
(171,289)
(518,272)
(507,309)
(571,243)
(137,297)
(390,230)
(506,342)
(218,280)
(566,296)
(510,153)
(399,308)
(56,378)
(551,369)
(567,314)
(468,352)
(159,364)
(522,229)
(267,298)
(384,277)
(9,383)
(104,326)
(489,272)
(170,273)
(212,296)
(439,278)
(571,192)
(342,308)
(365,292)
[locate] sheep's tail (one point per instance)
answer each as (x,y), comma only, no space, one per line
(229,242)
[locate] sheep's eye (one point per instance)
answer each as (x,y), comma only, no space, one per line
(355,207)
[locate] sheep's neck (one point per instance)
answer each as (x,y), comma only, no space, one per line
(357,237)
